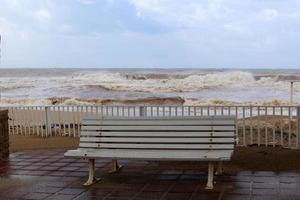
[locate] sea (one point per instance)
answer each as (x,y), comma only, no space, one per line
(84,86)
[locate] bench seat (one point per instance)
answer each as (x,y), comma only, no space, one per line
(196,138)
(144,154)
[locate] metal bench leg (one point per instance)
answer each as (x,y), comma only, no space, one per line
(115,166)
(210,178)
(219,168)
(92,179)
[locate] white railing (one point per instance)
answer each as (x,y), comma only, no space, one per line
(257,125)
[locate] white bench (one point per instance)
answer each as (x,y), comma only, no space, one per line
(196,138)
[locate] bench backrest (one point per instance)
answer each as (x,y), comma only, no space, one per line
(167,133)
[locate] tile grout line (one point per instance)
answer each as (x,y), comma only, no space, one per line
(195,191)
(134,196)
(167,191)
(251,186)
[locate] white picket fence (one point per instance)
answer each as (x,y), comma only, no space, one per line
(259,125)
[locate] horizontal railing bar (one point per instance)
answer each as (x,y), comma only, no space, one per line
(185,106)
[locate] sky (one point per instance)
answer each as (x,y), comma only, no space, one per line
(150,33)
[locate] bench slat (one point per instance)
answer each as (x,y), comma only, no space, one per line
(160,118)
(197,155)
(158,123)
(156,146)
(157,134)
(156,140)
(159,128)
(159,138)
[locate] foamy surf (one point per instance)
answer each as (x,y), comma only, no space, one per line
(150,101)
(190,83)
(144,86)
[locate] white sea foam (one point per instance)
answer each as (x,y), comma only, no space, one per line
(25,101)
(122,87)
(232,79)
(138,101)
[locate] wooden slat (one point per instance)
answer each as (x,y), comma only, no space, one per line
(156,146)
(160,118)
(158,134)
(156,140)
(158,122)
(196,138)
(157,128)
(197,155)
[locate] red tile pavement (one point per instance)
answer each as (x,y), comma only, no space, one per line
(46,174)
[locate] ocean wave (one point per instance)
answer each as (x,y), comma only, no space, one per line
(151,82)
(97,87)
(171,83)
(25,102)
(100,87)
(149,101)
(279,77)
(288,77)
(187,83)
(12,83)
(155,76)
(117,101)
(175,101)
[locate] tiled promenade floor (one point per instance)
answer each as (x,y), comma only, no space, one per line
(48,175)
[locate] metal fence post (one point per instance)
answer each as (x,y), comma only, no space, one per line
(298,126)
(48,121)
(143,111)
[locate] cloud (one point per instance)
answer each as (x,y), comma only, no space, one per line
(42,15)
(188,14)
(160,32)
(87,2)
(270,14)
(226,29)
(235,27)
(246,18)
(193,13)
(6,27)
(65,28)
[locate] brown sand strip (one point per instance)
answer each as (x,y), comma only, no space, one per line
(19,143)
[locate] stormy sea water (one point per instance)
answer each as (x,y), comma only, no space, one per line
(148,86)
